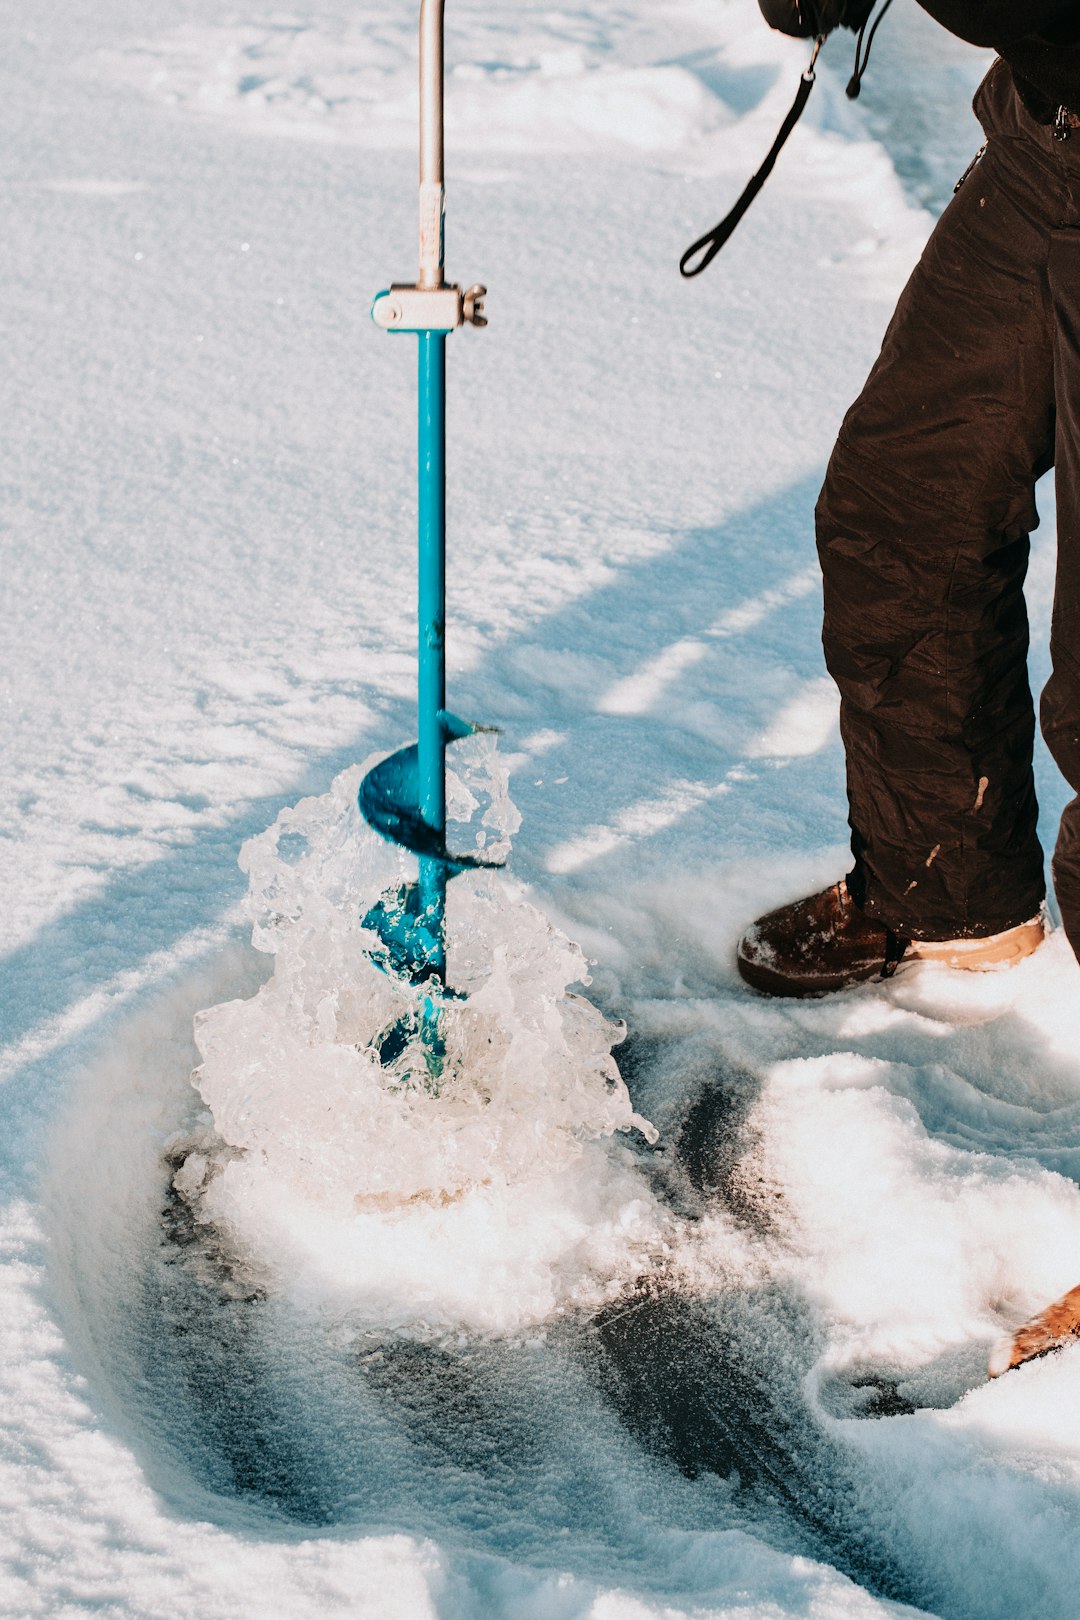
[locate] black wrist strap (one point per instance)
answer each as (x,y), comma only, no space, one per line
(710,244)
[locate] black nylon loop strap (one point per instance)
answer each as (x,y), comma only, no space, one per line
(710,244)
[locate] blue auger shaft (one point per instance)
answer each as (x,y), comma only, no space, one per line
(431,726)
(404,796)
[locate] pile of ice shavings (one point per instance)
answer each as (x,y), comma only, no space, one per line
(490,1199)
(920,1138)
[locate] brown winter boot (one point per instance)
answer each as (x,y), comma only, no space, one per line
(1048,1331)
(815,945)
(825,942)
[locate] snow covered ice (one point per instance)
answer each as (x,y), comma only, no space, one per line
(278,1344)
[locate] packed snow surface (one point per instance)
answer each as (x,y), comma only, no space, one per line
(666,1300)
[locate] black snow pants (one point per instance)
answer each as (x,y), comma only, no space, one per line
(923,528)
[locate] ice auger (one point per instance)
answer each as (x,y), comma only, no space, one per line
(404,796)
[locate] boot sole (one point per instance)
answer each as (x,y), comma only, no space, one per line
(772,982)
(981,955)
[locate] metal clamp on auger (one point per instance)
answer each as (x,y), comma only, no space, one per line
(404,797)
(428,309)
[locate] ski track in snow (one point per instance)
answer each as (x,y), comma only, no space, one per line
(208,597)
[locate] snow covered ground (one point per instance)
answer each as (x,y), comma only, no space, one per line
(384,1381)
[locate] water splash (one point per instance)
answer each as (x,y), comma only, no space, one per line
(491,1204)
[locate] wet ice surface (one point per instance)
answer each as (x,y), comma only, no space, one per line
(735,1372)
(748,1351)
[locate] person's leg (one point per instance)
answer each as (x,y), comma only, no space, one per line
(1061,697)
(923,536)
(1060,1322)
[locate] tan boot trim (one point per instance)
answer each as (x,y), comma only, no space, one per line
(979,955)
(1051,1328)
